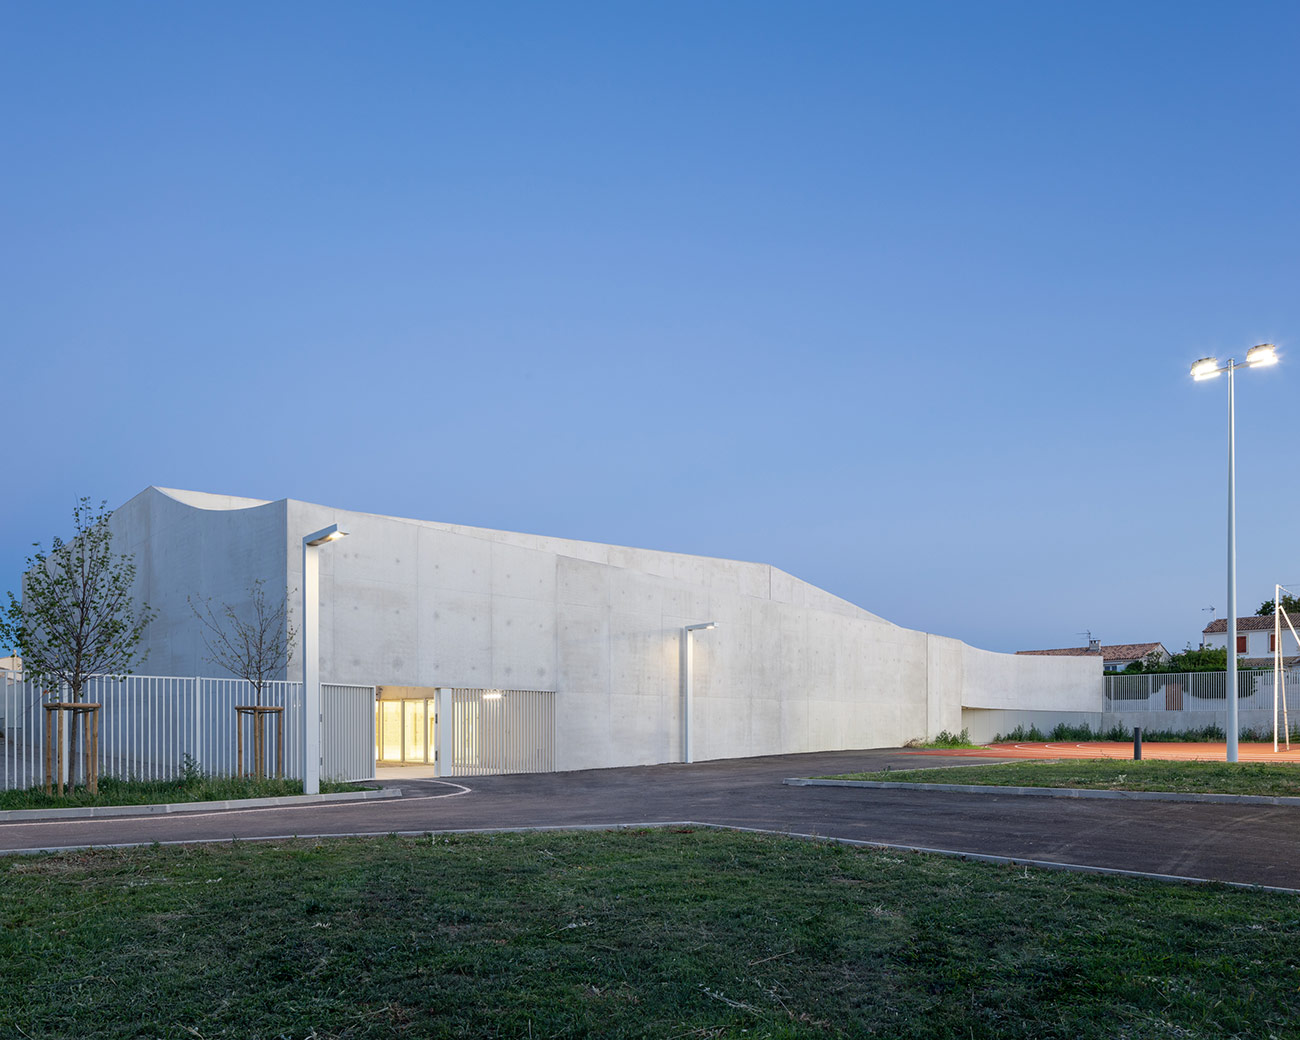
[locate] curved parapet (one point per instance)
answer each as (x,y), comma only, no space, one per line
(190,547)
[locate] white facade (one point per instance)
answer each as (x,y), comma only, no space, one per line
(790,668)
(1259,642)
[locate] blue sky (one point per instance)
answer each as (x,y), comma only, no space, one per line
(900,298)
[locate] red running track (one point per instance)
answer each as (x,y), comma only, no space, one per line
(1123,749)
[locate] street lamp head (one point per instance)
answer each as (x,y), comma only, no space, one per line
(1262,355)
(325,535)
(1206,368)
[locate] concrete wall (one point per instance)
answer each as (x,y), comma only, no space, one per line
(789,668)
(215,552)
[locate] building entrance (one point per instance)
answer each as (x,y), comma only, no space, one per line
(465,732)
(406,720)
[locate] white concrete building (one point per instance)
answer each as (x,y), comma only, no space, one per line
(411,606)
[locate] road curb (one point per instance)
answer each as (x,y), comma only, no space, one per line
(167,809)
(1051,792)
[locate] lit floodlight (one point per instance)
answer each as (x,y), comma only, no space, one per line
(1264,354)
(1259,356)
(326,534)
(1206,368)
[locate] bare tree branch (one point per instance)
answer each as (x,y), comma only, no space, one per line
(257,648)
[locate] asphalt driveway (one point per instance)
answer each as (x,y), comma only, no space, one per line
(1248,844)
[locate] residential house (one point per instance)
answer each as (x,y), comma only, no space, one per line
(1255,639)
(1114,658)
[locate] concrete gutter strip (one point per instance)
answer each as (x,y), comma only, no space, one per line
(94,811)
(1052,792)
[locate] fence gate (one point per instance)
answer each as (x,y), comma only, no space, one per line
(495,731)
(347,739)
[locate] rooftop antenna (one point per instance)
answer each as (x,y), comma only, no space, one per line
(1210,609)
(1093,644)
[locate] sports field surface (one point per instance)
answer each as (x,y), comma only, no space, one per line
(1121,749)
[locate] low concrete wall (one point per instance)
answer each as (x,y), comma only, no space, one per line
(984,725)
(1259,721)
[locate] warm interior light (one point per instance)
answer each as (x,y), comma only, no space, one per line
(1206,368)
(1264,354)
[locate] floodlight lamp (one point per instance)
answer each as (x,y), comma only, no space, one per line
(1261,356)
(1206,368)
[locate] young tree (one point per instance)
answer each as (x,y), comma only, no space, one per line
(256,649)
(76,618)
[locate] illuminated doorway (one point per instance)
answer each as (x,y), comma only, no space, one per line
(406,720)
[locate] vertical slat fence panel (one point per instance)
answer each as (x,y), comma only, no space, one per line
(501,731)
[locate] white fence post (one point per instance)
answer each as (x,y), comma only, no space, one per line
(446,733)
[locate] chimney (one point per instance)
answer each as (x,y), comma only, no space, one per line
(1094,646)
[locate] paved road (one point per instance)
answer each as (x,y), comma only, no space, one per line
(1251,844)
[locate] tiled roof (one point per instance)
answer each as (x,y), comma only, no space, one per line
(1118,652)
(1254,623)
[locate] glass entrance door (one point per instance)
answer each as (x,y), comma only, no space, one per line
(405,731)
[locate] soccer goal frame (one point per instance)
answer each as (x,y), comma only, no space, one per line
(1279,665)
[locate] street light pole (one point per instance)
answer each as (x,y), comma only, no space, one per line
(1232,563)
(311,718)
(1209,368)
(688,683)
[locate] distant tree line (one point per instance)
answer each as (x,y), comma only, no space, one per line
(1190,659)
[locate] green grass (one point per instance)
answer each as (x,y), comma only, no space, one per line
(1112,775)
(193,788)
(625,934)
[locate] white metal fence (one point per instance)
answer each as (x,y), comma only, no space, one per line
(497,731)
(150,727)
(347,732)
(1196,691)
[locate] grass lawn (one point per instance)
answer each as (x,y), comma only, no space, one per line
(1111,775)
(625,934)
(196,788)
